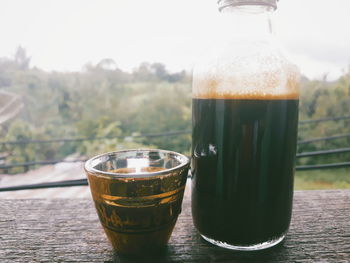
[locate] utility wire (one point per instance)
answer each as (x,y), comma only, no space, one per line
(324,138)
(170,133)
(299,155)
(325,119)
(322,166)
(324,152)
(145,135)
(84,182)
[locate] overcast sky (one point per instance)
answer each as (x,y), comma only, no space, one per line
(64,35)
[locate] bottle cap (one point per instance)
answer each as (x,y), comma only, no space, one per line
(224,3)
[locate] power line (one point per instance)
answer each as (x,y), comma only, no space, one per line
(325,119)
(170,133)
(8,166)
(84,182)
(144,135)
(67,183)
(324,152)
(324,138)
(322,166)
(299,155)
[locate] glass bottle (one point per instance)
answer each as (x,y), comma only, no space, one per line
(244,131)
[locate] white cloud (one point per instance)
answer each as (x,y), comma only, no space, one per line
(65,34)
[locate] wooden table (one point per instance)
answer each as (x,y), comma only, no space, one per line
(67,230)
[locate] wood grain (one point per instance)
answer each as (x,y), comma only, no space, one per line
(68,230)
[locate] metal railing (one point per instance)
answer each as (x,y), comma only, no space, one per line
(170,133)
(298,155)
(82,182)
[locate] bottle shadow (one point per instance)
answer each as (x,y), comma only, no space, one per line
(213,254)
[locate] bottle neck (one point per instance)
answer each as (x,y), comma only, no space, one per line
(248,20)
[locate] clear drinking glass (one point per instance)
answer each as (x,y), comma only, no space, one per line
(138,196)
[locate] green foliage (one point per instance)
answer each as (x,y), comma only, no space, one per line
(21,131)
(101,101)
(104,101)
(161,107)
(320,99)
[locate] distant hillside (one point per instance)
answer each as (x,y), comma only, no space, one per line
(105,101)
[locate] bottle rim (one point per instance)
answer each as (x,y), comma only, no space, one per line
(225,3)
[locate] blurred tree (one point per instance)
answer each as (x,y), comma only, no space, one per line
(21,58)
(103,100)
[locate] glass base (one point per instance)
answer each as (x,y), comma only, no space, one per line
(254,247)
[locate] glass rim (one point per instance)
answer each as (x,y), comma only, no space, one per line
(88,167)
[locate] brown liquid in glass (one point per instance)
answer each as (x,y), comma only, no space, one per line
(135,214)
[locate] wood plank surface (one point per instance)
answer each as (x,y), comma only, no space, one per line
(68,230)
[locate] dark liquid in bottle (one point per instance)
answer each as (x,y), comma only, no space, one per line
(243,166)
